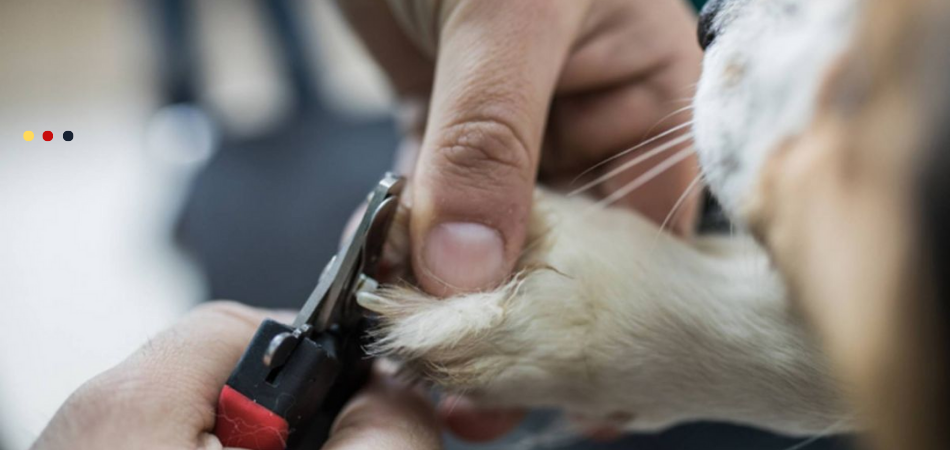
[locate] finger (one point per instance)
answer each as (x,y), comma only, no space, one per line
(388,416)
(623,40)
(475,424)
(497,68)
(167,391)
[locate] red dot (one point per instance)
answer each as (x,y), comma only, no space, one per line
(47,135)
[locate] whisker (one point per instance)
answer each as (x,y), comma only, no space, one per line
(458,399)
(668,116)
(632,163)
(634,148)
(823,434)
(679,203)
(674,113)
(691,87)
(647,176)
(640,181)
(805,443)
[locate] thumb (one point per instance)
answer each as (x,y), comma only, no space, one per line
(497,68)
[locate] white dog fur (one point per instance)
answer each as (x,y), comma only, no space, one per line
(760,82)
(614,321)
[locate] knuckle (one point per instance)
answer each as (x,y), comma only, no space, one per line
(484,150)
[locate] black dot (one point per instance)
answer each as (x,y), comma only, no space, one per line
(67,135)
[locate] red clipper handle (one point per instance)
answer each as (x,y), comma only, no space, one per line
(246,424)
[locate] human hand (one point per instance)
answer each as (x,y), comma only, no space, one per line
(164,396)
(502,92)
(578,79)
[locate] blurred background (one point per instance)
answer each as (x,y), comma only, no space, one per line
(219,148)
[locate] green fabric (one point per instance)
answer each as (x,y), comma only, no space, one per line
(699,4)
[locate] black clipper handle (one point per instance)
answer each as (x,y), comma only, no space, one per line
(355,369)
(292,406)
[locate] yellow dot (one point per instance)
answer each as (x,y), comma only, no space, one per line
(28,136)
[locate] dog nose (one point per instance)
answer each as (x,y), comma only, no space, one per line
(707,26)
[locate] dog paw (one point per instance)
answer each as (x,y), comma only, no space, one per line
(609,319)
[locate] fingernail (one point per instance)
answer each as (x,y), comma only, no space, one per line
(465,256)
